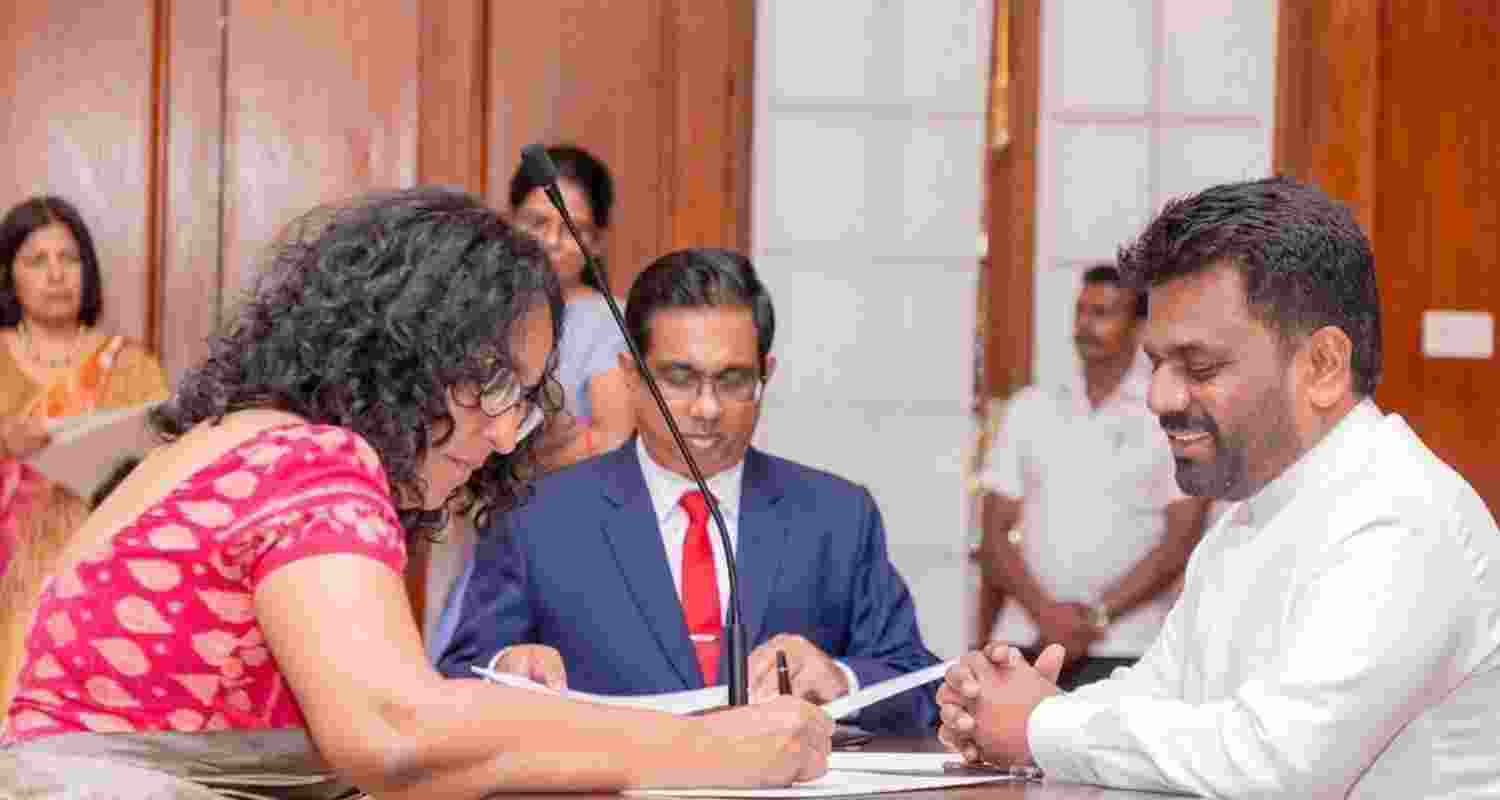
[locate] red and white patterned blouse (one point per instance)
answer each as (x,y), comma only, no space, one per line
(156,630)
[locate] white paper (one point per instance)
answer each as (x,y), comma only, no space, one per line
(854,702)
(686,702)
(85,448)
(859,761)
(695,700)
(836,783)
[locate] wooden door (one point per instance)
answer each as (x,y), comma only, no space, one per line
(79,92)
(1391,108)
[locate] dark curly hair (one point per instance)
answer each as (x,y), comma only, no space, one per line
(366,315)
(1305,261)
(28,217)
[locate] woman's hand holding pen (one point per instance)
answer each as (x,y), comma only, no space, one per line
(537,662)
(782,741)
(814,676)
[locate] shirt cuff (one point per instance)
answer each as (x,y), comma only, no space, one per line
(494,659)
(848,676)
(1052,736)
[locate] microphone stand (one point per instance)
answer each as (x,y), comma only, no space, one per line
(539,165)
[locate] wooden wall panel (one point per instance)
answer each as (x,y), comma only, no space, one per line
(1327,100)
(1010,200)
(708,49)
(591,74)
(1437,222)
(191,203)
(453,67)
(320,104)
(659,89)
(77,82)
(1390,107)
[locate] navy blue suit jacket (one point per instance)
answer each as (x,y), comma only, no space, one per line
(581,567)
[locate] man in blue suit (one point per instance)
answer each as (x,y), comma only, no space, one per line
(607,569)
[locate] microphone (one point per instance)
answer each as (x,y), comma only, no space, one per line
(538,165)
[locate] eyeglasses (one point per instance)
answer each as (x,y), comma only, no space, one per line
(504,394)
(546,228)
(736,384)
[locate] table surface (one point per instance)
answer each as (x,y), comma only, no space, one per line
(1045,790)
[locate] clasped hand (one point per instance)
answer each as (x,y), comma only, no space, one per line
(987,698)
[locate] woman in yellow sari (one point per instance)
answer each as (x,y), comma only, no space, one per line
(53,364)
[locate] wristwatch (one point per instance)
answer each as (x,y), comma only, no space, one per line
(1099,616)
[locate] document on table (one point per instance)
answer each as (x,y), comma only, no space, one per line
(686,702)
(695,700)
(839,783)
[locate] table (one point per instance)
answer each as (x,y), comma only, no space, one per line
(998,791)
(993,791)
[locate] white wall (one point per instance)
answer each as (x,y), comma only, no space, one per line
(868,151)
(1142,100)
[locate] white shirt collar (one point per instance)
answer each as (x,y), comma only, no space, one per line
(1132,391)
(1260,507)
(666,487)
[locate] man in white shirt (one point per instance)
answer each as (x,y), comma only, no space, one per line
(1085,529)
(613,577)
(1338,632)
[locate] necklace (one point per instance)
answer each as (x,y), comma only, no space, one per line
(24,331)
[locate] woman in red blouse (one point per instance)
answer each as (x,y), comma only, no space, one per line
(247,576)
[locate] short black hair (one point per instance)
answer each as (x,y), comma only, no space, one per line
(1108,274)
(368,313)
(28,217)
(1305,261)
(589,173)
(700,278)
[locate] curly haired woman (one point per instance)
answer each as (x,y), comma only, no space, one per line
(236,607)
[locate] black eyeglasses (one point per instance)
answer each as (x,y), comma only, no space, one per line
(736,384)
(504,394)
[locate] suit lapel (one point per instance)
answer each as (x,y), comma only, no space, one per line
(763,536)
(635,538)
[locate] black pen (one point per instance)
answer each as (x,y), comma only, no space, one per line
(783,674)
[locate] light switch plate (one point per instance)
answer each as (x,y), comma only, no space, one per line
(1458,334)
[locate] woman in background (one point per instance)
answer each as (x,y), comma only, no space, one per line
(53,363)
(599,417)
(234,613)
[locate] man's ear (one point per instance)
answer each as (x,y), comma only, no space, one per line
(1329,366)
(770,368)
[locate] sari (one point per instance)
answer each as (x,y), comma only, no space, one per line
(38,516)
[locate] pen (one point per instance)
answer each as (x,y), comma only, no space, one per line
(783,675)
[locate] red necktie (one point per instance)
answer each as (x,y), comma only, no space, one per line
(700,587)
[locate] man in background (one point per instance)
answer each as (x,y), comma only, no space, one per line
(1085,530)
(613,578)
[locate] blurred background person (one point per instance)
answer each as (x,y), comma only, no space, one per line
(245,579)
(1085,529)
(53,363)
(598,414)
(599,417)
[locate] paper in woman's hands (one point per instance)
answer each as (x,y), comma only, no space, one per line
(85,448)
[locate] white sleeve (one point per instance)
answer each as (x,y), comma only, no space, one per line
(1370,639)
(1004,470)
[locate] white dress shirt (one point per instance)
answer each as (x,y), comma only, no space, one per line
(1337,636)
(666,488)
(1094,485)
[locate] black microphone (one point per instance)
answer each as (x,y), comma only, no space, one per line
(538,165)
